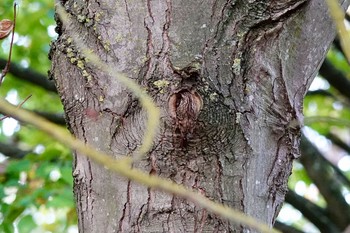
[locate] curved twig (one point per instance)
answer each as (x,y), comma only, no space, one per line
(7,67)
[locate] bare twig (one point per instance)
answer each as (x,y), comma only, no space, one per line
(7,67)
(20,105)
(338,16)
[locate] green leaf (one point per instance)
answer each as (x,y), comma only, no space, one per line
(13,213)
(64,199)
(67,177)
(7,227)
(15,167)
(26,224)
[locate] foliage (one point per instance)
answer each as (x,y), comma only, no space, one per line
(39,185)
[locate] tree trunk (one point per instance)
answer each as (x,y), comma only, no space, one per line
(229,78)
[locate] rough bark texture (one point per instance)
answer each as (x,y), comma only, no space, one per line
(229,77)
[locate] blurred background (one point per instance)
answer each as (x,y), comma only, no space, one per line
(36,194)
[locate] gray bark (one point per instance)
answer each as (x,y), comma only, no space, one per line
(234,75)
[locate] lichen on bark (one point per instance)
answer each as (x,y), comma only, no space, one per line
(237,69)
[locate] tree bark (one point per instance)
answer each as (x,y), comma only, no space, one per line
(229,78)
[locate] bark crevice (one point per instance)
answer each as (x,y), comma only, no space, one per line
(229,78)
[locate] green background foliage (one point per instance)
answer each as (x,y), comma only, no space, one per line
(35,191)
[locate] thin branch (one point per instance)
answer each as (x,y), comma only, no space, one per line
(286,228)
(57,118)
(123,168)
(326,180)
(336,41)
(312,212)
(338,16)
(340,143)
(327,119)
(337,141)
(347,17)
(327,94)
(336,78)
(337,46)
(30,75)
(12,151)
(18,106)
(321,93)
(7,66)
